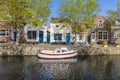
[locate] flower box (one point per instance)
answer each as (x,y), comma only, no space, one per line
(105,43)
(117,43)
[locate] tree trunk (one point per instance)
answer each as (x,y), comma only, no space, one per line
(75,40)
(18,38)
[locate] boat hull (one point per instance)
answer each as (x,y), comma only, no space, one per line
(58,61)
(54,55)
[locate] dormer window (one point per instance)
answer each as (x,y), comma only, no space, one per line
(100,24)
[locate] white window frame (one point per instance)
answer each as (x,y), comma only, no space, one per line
(116,34)
(102,35)
(93,36)
(6,33)
(100,24)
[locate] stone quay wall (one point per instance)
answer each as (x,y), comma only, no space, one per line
(31,49)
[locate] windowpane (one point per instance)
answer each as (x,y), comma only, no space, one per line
(105,35)
(115,35)
(100,24)
(31,34)
(34,35)
(57,36)
(100,35)
(3,32)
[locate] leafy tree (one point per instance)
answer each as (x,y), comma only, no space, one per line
(114,15)
(21,12)
(79,14)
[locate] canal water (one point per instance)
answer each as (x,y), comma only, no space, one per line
(81,68)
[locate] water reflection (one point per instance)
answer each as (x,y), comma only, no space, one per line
(56,69)
(82,68)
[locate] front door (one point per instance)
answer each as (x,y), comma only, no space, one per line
(93,37)
(68,38)
(48,37)
(41,36)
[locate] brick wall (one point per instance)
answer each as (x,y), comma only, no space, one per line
(5,26)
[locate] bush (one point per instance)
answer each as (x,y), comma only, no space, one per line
(92,43)
(117,43)
(23,39)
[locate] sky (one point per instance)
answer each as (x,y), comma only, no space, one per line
(104,5)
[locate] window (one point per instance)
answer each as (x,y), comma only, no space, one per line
(80,37)
(116,35)
(57,36)
(3,32)
(99,35)
(100,24)
(103,35)
(31,34)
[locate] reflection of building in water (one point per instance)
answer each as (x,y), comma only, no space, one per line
(115,71)
(56,69)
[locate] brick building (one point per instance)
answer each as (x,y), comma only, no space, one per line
(101,31)
(6,32)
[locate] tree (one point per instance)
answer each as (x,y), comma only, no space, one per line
(114,15)
(21,12)
(79,14)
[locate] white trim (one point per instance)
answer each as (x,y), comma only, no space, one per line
(116,34)
(100,23)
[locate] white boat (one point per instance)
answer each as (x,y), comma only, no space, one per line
(62,52)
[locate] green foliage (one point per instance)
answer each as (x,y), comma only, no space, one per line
(114,15)
(23,39)
(79,14)
(20,12)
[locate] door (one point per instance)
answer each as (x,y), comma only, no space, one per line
(15,35)
(48,37)
(68,38)
(40,36)
(89,39)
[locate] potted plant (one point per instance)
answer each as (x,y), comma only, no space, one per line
(105,43)
(92,43)
(117,43)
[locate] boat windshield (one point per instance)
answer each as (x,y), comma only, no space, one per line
(64,50)
(61,50)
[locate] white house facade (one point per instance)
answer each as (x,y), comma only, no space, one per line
(35,34)
(115,32)
(61,33)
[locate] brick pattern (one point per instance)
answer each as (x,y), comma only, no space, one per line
(106,27)
(5,26)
